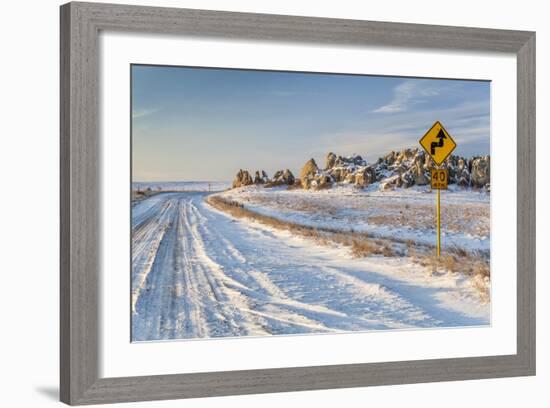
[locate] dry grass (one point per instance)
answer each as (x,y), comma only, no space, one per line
(361,248)
(448,262)
(457,260)
(387,250)
(469,264)
(472,265)
(360,243)
(483,269)
(460,252)
(482,285)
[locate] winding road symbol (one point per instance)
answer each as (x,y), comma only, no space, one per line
(440,136)
(438,143)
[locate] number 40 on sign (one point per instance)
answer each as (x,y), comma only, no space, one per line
(440,178)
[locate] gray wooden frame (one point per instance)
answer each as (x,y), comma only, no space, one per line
(80,189)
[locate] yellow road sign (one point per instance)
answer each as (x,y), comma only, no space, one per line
(438,143)
(440,179)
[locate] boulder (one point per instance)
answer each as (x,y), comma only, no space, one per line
(330,161)
(337,174)
(349,161)
(462,173)
(419,174)
(420,177)
(405,155)
(350,178)
(390,158)
(391,182)
(288,177)
(428,162)
(365,177)
(321,181)
(408,179)
(481,172)
(398,181)
(242,179)
(258,178)
(308,173)
(401,169)
(281,177)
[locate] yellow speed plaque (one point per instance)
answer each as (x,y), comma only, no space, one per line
(440,179)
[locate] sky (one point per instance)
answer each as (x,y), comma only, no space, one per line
(199,124)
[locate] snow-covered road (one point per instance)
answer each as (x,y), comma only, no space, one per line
(196,272)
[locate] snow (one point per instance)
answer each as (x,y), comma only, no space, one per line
(197,273)
(182,185)
(402,213)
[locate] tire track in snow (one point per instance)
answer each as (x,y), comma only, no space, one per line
(191,322)
(219,317)
(150,319)
(147,233)
(256,286)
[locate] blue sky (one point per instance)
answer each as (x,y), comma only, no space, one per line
(206,124)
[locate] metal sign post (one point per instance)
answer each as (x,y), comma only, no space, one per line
(438,144)
(438,222)
(439,181)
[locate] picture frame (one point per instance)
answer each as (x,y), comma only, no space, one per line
(80,156)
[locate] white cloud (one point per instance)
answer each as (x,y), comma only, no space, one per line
(407,94)
(143,112)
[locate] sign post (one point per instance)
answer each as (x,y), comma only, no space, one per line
(438,144)
(438,222)
(439,181)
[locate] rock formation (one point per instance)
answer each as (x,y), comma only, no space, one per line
(462,173)
(480,172)
(242,179)
(282,178)
(260,177)
(330,160)
(405,168)
(308,174)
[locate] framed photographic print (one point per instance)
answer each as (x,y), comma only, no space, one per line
(260,203)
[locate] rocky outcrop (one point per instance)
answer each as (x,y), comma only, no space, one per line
(480,172)
(405,168)
(419,171)
(260,177)
(242,179)
(330,161)
(308,174)
(282,177)
(365,177)
(462,173)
